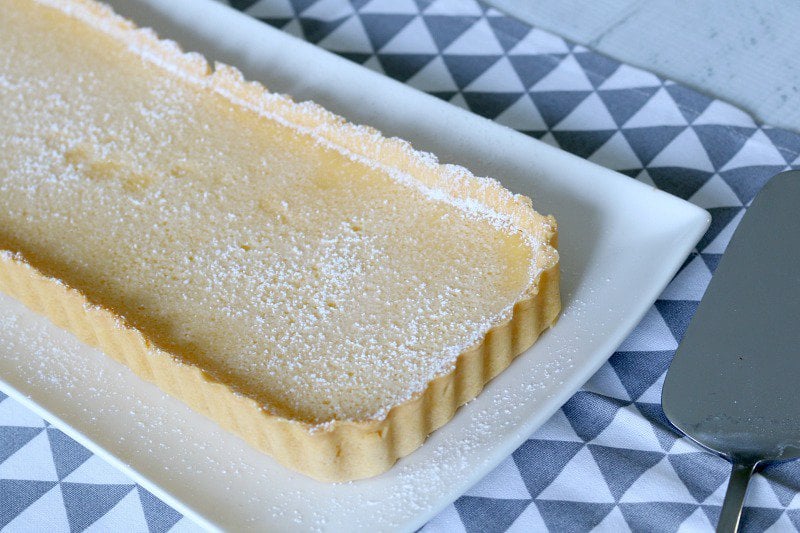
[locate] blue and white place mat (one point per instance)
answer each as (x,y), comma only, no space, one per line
(607,460)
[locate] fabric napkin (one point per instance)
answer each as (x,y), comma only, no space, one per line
(608,460)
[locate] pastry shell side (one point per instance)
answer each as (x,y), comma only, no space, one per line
(338,451)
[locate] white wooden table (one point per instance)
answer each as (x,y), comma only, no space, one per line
(744,51)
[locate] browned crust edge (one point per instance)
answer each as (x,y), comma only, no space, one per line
(341,450)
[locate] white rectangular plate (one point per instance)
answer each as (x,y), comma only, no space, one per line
(621,242)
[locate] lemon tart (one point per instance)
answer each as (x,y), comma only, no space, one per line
(330,295)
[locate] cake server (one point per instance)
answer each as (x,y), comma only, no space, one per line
(734,384)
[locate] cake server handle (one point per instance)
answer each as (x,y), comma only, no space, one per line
(741,472)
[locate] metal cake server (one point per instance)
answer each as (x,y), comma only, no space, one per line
(734,384)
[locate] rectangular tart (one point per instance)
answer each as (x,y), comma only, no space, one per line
(330,295)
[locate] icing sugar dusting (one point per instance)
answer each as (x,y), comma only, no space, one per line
(329,287)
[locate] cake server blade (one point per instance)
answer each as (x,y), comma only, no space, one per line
(734,384)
